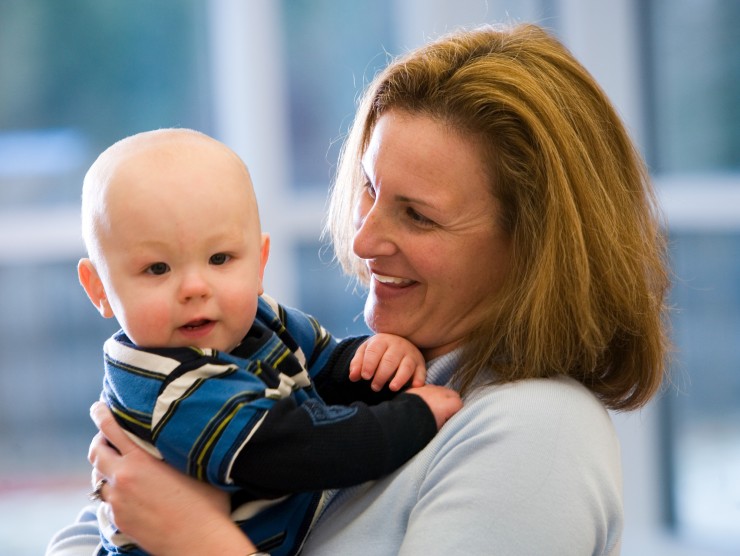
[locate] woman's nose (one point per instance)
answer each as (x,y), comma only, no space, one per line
(373,231)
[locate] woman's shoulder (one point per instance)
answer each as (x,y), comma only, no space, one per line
(536,400)
(518,465)
(522,449)
(553,418)
(528,401)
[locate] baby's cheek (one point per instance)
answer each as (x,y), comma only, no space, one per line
(151,324)
(245,314)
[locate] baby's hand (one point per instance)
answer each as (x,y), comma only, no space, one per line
(385,356)
(444,402)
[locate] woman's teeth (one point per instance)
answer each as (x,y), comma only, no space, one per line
(391,280)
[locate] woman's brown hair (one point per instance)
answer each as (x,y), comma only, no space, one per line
(585,294)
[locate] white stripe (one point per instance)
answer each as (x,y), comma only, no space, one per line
(150,362)
(177,388)
(250,509)
(272,303)
(257,425)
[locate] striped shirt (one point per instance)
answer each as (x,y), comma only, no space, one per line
(275,422)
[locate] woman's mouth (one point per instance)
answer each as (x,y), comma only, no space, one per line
(392,280)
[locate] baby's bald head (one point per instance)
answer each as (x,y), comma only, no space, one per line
(157,167)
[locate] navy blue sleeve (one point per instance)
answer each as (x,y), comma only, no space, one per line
(333,384)
(315,446)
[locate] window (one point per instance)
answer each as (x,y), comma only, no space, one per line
(322,74)
(703,415)
(74,77)
(277,81)
(694,73)
(694,86)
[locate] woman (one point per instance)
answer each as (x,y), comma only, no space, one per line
(491,200)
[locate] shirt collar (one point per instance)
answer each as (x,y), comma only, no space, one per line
(440,370)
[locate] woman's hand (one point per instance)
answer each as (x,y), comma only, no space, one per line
(165,511)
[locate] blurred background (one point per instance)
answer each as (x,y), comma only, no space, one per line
(277,81)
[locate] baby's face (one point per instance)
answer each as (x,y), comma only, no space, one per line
(181,248)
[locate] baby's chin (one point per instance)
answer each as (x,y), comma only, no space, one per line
(184,343)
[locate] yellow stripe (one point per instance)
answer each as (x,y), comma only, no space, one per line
(130,419)
(135,370)
(212,439)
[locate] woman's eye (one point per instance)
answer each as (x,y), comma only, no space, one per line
(158,268)
(219,258)
(419,219)
(370,189)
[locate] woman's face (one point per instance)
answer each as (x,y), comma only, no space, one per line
(428,229)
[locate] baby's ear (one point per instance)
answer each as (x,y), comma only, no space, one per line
(264,254)
(93,286)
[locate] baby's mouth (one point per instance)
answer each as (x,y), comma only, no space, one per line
(196,324)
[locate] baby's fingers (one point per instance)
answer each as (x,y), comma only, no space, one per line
(420,374)
(391,366)
(355,366)
(375,353)
(408,369)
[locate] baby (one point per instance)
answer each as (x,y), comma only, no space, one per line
(212,375)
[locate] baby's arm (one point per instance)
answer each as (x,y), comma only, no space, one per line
(385,357)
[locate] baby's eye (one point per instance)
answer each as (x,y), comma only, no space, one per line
(158,269)
(219,259)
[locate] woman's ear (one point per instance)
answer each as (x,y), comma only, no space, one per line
(93,286)
(264,254)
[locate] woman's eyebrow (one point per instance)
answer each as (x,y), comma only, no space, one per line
(365,173)
(402,198)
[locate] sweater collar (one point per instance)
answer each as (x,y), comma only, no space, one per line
(440,370)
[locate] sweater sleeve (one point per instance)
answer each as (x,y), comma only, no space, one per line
(316,446)
(81,538)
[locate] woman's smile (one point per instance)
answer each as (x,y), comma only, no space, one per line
(429,267)
(392,280)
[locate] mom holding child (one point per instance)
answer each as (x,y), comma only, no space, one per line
(491,200)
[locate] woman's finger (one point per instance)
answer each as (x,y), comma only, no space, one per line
(98,445)
(95,476)
(112,431)
(104,458)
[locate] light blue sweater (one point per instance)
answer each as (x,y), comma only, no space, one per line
(531,467)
